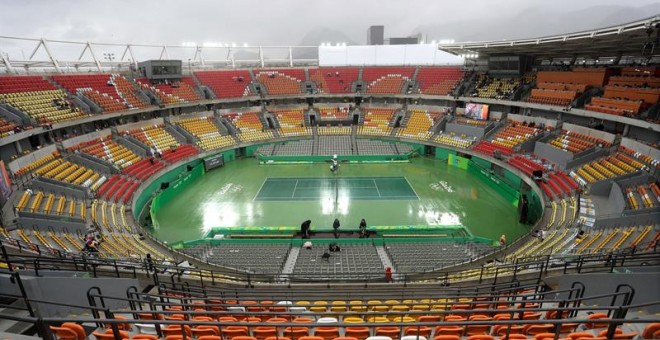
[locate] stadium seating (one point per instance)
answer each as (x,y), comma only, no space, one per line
(646,159)
(155,137)
(143,169)
(170,93)
(462,142)
(226,84)
(65,171)
(333,113)
(207,133)
(292,123)
(561,88)
(419,125)
(257,258)
(481,312)
(111,92)
(249,126)
(6,128)
(334,145)
(174,155)
(465,121)
(425,256)
(376,121)
(281,82)
(128,91)
(525,164)
(489,148)
(36,164)
(607,167)
(575,142)
(498,88)
(383,80)
(334,130)
(353,259)
(642,196)
(49,203)
(38,98)
(334,79)
(628,94)
(438,80)
(109,150)
(514,134)
(424,287)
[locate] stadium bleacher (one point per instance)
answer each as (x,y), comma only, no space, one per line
(226,84)
(38,98)
(427,288)
(386,79)
(438,80)
(281,81)
(334,79)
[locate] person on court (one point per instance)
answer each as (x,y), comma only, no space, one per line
(335,227)
(335,164)
(363,229)
(304,228)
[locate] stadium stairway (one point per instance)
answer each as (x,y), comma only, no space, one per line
(291,259)
(384,258)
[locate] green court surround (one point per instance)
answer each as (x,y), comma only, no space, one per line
(503,185)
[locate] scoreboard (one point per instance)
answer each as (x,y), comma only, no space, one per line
(214,162)
(161,69)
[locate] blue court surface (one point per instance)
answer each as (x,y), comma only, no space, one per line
(355,188)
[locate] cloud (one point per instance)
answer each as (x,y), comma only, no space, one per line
(276,23)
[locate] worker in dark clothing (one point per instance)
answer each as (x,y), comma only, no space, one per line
(335,227)
(304,228)
(363,229)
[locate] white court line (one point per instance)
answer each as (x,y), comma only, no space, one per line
(311,198)
(293,193)
(411,187)
(258,191)
(376,185)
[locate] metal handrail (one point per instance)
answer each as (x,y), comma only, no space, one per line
(96,265)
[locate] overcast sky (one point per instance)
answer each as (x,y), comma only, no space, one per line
(288,22)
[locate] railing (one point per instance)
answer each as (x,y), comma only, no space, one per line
(535,266)
(515,301)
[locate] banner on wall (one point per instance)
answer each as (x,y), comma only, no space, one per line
(5,182)
(458,161)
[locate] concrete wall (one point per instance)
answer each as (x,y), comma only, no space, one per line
(93,163)
(27,159)
(67,143)
(643,133)
(629,218)
(130,126)
(134,145)
(65,287)
(460,129)
(615,199)
(192,115)
(605,283)
(55,221)
(555,155)
(246,109)
(431,108)
(586,158)
(529,145)
(57,187)
(537,120)
(643,178)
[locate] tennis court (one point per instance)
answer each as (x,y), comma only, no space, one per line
(354,188)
